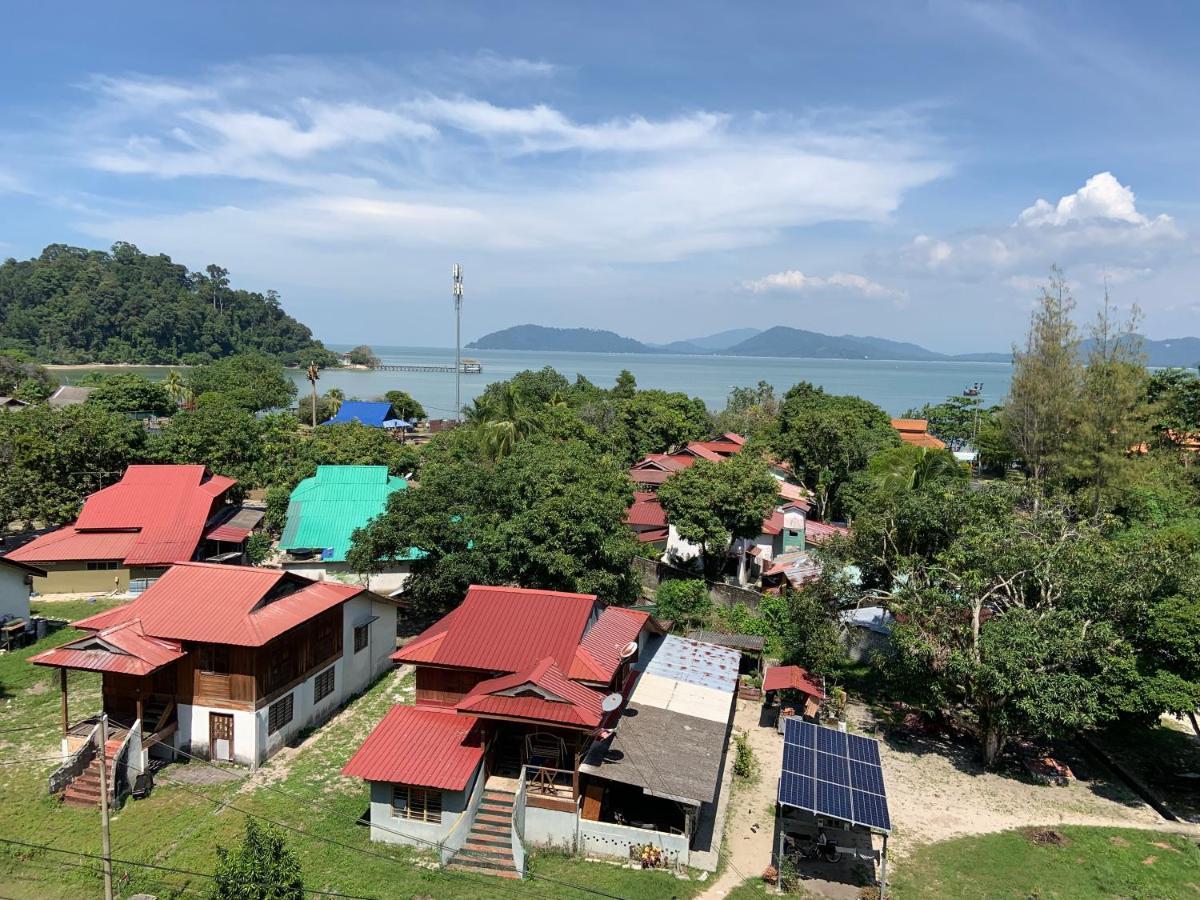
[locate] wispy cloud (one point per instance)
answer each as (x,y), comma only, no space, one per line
(796,282)
(408,167)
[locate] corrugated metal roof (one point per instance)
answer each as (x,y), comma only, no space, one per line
(779,678)
(695,662)
(557,698)
(816,532)
(155,515)
(646,510)
(235,525)
(504,629)
(123,648)
(601,647)
(325,510)
(362,411)
(751,643)
(216,604)
(430,748)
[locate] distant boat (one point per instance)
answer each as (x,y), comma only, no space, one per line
(973,390)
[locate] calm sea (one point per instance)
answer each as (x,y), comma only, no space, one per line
(895,386)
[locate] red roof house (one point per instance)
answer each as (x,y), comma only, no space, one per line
(208,645)
(153,517)
(916,432)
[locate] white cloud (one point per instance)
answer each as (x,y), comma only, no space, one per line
(1095,228)
(1102,197)
(795,281)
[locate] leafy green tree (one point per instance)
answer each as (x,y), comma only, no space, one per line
(258,547)
(335,397)
(278,496)
(253,381)
(405,406)
(52,459)
(218,433)
(653,421)
(828,437)
(22,378)
(955,420)
(685,602)
(175,386)
(1173,403)
(128,392)
(714,503)
(626,385)
(548,515)
(507,418)
(909,468)
(362,355)
(262,867)
(1043,397)
(751,412)
(324,411)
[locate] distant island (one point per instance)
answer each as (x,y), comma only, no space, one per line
(782,341)
(75,305)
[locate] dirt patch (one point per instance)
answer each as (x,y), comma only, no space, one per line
(1149,860)
(1117,841)
(38,687)
(1162,845)
(1048,837)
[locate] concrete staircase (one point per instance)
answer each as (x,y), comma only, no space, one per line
(84,790)
(488,850)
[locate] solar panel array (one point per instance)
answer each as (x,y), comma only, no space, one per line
(831,773)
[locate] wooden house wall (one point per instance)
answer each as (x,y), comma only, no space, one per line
(445,687)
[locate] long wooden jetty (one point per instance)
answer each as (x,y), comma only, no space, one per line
(469,367)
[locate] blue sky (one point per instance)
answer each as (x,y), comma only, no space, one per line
(908,170)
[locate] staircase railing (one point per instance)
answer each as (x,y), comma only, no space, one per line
(126,764)
(517,829)
(79,760)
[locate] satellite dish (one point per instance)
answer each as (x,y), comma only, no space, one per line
(630,649)
(611,702)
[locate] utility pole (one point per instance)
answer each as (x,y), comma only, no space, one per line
(105,845)
(457,288)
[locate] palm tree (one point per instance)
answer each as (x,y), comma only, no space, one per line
(175,387)
(908,468)
(335,397)
(312,375)
(505,420)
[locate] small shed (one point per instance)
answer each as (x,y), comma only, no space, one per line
(793,679)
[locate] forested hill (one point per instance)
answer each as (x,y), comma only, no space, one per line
(72,305)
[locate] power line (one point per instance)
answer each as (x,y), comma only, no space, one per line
(160,868)
(311,802)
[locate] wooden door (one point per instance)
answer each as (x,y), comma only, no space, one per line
(220,737)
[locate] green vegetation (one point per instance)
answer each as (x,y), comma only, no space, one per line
(262,867)
(72,305)
(1064,863)
(405,406)
(22,378)
(745,763)
(685,602)
(251,381)
(128,392)
(362,355)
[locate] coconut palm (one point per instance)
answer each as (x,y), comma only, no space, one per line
(908,468)
(335,397)
(175,386)
(312,375)
(506,419)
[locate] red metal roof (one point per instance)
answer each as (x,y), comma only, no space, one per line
(702,450)
(773,524)
(795,494)
(542,694)
(816,532)
(653,535)
(734,437)
(217,604)
(504,629)
(646,510)
(600,649)
(649,476)
(155,515)
(124,649)
(792,677)
(426,747)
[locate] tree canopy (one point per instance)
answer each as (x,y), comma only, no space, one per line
(72,305)
(253,381)
(129,392)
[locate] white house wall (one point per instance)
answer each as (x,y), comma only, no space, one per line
(14,593)
(385,827)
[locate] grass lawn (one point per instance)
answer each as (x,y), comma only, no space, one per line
(1089,862)
(186,819)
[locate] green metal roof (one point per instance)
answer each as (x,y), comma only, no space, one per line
(325,510)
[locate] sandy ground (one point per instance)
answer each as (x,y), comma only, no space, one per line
(936,792)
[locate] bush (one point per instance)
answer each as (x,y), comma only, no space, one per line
(262,868)
(745,763)
(686,602)
(258,547)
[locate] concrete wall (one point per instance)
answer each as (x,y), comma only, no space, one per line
(385,827)
(653,573)
(14,593)
(387,582)
(566,831)
(76,578)
(192,733)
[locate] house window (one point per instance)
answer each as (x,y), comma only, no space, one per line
(417,803)
(323,686)
(362,634)
(214,660)
(279,713)
(103,565)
